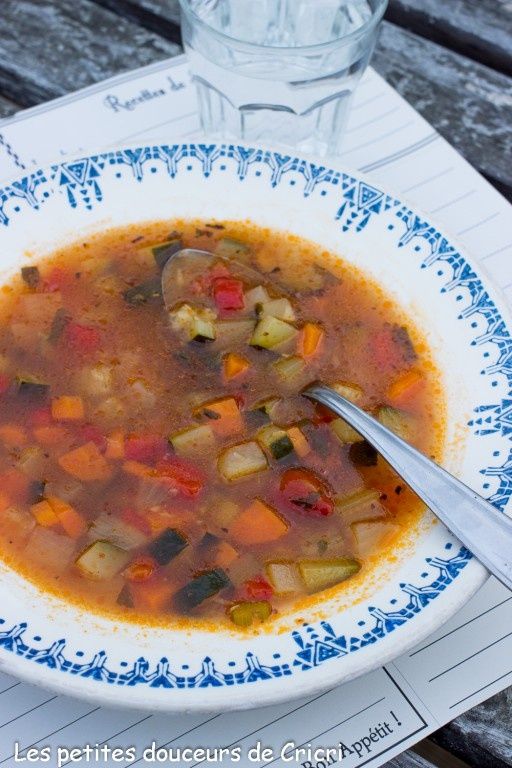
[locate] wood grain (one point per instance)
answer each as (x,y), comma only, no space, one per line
(409,759)
(482,736)
(51,47)
(159,16)
(7,107)
(469,104)
(481,30)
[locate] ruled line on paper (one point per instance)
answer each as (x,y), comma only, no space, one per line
(480,690)
(328,730)
(49,735)
(272,722)
(27,712)
(469,658)
(9,687)
(372,120)
(503,248)
(455,200)
(478,224)
(172,120)
(180,736)
(360,104)
(392,132)
(461,626)
(428,180)
(399,154)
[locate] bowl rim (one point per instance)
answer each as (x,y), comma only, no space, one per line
(325,676)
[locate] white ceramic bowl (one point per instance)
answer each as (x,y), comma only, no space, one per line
(47,641)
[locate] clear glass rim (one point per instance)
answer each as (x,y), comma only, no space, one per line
(361,31)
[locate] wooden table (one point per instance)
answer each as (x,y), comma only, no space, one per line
(451,59)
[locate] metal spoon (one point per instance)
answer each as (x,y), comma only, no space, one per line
(486,532)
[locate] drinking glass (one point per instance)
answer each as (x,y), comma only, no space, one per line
(279,71)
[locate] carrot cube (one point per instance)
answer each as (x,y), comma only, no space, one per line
(152,596)
(68,408)
(138,469)
(44,514)
(225,554)
(225,416)
(86,463)
(257,524)
(71,520)
(12,435)
(406,386)
(115,445)
(4,501)
(50,435)
(234,365)
(299,442)
(311,339)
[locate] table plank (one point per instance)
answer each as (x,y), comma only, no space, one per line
(482,736)
(481,30)
(469,104)
(50,47)
(7,107)
(160,16)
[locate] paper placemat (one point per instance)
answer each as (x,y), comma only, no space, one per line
(369,720)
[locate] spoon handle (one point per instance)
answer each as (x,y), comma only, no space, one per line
(486,532)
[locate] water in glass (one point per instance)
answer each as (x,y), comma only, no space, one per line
(279,71)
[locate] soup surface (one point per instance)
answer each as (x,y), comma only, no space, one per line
(164,464)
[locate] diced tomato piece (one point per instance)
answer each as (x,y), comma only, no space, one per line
(228,293)
(305,494)
(391,347)
(5,383)
(92,433)
(136,521)
(56,280)
(145,448)
(258,589)
(181,474)
(323,415)
(152,595)
(82,338)
(141,569)
(14,484)
(41,417)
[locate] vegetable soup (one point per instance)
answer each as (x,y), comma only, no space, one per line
(162,463)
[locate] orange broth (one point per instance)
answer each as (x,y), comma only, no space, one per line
(164,465)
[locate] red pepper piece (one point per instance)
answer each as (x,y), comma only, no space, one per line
(132,518)
(148,449)
(56,280)
(92,433)
(180,474)
(82,338)
(387,353)
(41,417)
(142,569)
(305,494)
(228,293)
(258,589)
(323,415)
(5,383)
